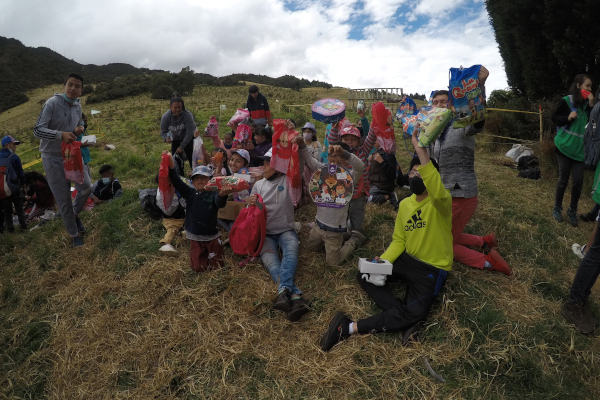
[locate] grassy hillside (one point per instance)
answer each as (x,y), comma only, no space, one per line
(116,320)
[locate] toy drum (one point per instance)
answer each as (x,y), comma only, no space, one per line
(328,111)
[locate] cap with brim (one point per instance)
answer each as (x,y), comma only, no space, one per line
(267,156)
(9,139)
(202,170)
(350,130)
(242,153)
(311,126)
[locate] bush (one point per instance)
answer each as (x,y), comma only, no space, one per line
(87,89)
(162,92)
(515,125)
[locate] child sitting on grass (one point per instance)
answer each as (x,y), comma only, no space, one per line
(421,254)
(238,164)
(382,175)
(206,249)
(108,187)
(173,218)
(330,224)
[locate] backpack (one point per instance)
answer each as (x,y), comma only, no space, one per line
(531,173)
(591,139)
(526,162)
(9,183)
(249,230)
(148,202)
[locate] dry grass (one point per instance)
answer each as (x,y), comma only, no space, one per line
(115,320)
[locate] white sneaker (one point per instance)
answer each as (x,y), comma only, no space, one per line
(168,250)
(578,250)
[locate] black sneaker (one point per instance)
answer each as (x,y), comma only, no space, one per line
(80,226)
(299,307)
(283,301)
(394,201)
(336,332)
(573,312)
(572,216)
(77,241)
(587,217)
(23,227)
(589,315)
(412,333)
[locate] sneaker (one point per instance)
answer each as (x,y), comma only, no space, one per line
(498,263)
(557,213)
(299,307)
(77,241)
(23,227)
(80,226)
(168,250)
(589,315)
(394,200)
(336,332)
(490,240)
(358,238)
(579,250)
(283,301)
(412,332)
(573,313)
(587,217)
(572,215)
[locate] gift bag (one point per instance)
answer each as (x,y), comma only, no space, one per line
(285,158)
(406,108)
(466,98)
(243,135)
(197,154)
(382,127)
(433,121)
(166,189)
(238,117)
(73,162)
(212,128)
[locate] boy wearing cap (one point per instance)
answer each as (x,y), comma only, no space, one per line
(206,249)
(8,151)
(60,121)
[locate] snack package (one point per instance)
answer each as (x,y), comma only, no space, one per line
(383,128)
(219,182)
(285,158)
(465,96)
(238,117)
(197,155)
(73,162)
(406,108)
(165,188)
(433,121)
(409,124)
(243,135)
(212,128)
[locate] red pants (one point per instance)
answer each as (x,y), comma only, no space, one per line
(206,256)
(462,211)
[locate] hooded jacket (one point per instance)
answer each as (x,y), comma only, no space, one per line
(57,116)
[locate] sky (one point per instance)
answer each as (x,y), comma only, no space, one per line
(409,44)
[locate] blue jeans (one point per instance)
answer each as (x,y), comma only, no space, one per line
(282,271)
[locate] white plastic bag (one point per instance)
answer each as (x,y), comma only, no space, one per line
(517,151)
(197,155)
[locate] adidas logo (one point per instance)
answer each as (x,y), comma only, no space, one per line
(415,222)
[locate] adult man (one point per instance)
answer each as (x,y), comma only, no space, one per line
(60,121)
(259,107)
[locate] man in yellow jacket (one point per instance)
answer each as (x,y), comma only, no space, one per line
(421,254)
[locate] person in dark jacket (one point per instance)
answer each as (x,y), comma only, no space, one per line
(206,248)
(8,151)
(262,144)
(259,107)
(382,175)
(108,187)
(177,127)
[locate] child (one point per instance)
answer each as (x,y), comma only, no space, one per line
(173,218)
(8,151)
(281,235)
(330,224)
(107,188)
(218,162)
(206,249)
(85,151)
(351,136)
(262,144)
(382,176)
(421,254)
(238,164)
(39,195)
(571,117)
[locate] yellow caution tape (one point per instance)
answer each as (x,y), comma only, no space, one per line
(505,137)
(501,109)
(29,164)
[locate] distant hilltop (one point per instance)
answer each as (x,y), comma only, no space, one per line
(24,68)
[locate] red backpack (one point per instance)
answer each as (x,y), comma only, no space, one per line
(249,230)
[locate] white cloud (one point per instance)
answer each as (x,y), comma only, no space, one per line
(437,7)
(265,37)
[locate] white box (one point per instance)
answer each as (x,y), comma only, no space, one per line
(89,139)
(245,177)
(367,266)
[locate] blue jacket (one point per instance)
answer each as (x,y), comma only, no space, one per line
(16,164)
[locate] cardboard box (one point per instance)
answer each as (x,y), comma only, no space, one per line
(366,266)
(231,210)
(245,177)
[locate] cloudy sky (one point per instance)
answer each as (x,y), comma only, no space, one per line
(351,43)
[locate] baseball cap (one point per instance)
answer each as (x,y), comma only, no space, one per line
(350,130)
(9,139)
(243,153)
(311,126)
(202,170)
(267,156)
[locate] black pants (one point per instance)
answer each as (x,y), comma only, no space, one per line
(567,166)
(7,205)
(188,150)
(423,283)
(587,273)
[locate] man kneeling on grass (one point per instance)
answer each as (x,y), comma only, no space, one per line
(421,253)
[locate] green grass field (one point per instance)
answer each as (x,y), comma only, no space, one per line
(116,320)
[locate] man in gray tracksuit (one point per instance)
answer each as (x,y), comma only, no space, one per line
(60,121)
